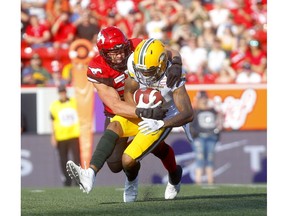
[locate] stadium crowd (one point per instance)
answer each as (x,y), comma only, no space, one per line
(220,41)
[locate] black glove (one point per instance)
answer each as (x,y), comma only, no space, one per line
(157,113)
(174,72)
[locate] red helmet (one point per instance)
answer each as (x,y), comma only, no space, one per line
(112,39)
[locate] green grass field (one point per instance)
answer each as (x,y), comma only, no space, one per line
(217,200)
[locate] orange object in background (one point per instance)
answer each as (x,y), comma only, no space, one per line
(80,53)
(244,106)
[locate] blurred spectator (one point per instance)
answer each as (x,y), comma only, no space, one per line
(67,73)
(196,11)
(259,32)
(76,10)
(154,19)
(87,27)
(135,26)
(65,130)
(56,72)
(84,3)
(34,73)
(231,21)
(208,35)
(157,24)
(202,76)
(216,57)
(171,10)
(206,128)
(63,31)
(247,75)
(115,19)
(182,30)
(242,14)
(123,7)
(198,27)
(264,77)
(36,34)
(24,20)
(259,13)
(228,24)
(228,40)
(54,9)
(238,56)
(101,8)
(257,57)
(185,3)
(219,14)
(208,4)
(192,55)
(226,75)
(35,8)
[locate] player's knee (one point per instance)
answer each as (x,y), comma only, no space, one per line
(162,150)
(115,167)
(116,127)
(127,162)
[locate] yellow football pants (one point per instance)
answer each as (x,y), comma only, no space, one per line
(142,144)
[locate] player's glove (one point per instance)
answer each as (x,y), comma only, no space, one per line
(150,104)
(174,72)
(148,126)
(157,113)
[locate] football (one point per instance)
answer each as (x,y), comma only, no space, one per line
(147,93)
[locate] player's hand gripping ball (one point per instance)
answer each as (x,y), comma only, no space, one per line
(147,98)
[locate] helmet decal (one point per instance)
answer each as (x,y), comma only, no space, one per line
(143,50)
(100,38)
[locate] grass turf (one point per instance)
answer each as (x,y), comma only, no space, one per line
(216,200)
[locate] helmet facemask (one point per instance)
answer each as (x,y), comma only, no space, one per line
(151,75)
(108,54)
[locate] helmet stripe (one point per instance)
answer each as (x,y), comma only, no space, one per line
(143,50)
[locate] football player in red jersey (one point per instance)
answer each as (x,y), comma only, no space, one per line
(107,72)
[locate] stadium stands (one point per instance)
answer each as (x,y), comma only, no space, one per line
(241,22)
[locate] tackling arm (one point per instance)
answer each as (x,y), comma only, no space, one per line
(111,98)
(130,87)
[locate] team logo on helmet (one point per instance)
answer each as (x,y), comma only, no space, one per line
(101,38)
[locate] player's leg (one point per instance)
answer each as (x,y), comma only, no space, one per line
(131,167)
(198,145)
(166,154)
(63,148)
(86,177)
(114,161)
(210,149)
(137,150)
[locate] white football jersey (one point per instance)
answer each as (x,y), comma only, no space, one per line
(166,92)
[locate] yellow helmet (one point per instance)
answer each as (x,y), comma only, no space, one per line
(150,61)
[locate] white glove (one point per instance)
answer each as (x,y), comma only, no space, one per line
(150,104)
(148,126)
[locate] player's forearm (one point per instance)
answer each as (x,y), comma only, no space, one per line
(179,120)
(124,109)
